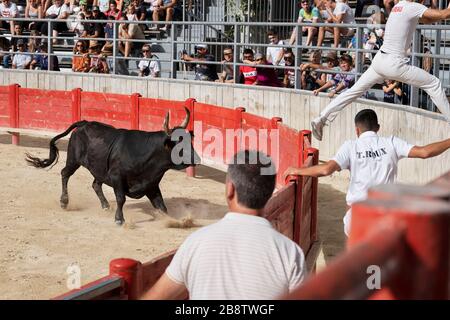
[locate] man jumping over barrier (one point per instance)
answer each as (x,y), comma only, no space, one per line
(371,159)
(391,62)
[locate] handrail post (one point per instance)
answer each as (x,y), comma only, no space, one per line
(14,112)
(359,57)
(114,64)
(131,272)
(174,55)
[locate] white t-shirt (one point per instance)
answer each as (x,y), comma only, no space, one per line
(241,257)
(57,10)
(153,65)
(10,11)
(103,5)
(372,160)
(20,60)
(400,27)
(273,52)
(343,8)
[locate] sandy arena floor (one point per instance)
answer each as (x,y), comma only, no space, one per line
(39,240)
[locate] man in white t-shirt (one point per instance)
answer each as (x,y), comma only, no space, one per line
(242,256)
(371,159)
(21,60)
(391,62)
(274,55)
(150,67)
(8,9)
(339,12)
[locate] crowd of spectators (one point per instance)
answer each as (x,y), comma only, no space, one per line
(326,70)
(94,36)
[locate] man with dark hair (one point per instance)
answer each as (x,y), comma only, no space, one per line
(247,74)
(242,256)
(274,55)
(203,71)
(371,159)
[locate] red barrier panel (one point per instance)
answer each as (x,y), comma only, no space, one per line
(4,106)
(217,132)
(46,110)
(153,111)
(112,109)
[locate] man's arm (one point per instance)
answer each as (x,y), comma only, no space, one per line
(430,150)
(435,15)
(166,289)
(321,170)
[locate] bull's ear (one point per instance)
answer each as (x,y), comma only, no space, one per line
(169,144)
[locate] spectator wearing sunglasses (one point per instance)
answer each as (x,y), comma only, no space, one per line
(150,65)
(289,74)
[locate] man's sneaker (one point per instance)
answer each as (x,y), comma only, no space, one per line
(317,128)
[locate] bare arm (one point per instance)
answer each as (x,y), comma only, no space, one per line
(434,15)
(430,150)
(321,170)
(166,289)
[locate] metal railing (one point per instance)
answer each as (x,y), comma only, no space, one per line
(435,37)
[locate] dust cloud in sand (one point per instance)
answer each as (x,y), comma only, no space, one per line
(40,240)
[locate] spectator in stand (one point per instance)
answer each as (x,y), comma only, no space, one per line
(392,92)
(247,74)
(103,5)
(98,62)
(40,62)
(289,74)
(386,4)
(150,65)
(274,55)
(113,11)
(34,10)
(332,63)
(203,72)
(312,79)
(109,34)
(80,60)
(227,75)
(17,32)
(8,9)
(58,11)
(339,12)
(21,59)
(131,13)
(167,9)
(95,29)
(309,14)
(340,82)
(140,10)
(265,76)
(129,31)
(4,46)
(150,6)
(374,42)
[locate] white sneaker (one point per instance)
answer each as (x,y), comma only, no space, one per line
(317,128)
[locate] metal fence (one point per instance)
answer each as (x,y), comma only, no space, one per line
(436,38)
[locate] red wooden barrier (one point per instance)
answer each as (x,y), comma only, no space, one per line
(14,111)
(4,106)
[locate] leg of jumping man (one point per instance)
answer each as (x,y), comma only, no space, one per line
(367,80)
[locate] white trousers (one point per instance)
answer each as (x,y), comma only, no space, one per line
(388,66)
(347,220)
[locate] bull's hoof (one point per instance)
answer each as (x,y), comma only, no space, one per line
(120,222)
(105,207)
(63,205)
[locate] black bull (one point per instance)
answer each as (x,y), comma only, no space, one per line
(132,162)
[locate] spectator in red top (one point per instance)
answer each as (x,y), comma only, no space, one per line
(247,74)
(265,76)
(113,11)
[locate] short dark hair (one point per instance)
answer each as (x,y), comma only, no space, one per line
(272,32)
(253,176)
(346,58)
(249,51)
(367,120)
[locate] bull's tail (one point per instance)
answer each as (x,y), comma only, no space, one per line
(54,152)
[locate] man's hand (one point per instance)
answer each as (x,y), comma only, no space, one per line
(316,92)
(291,171)
(331,93)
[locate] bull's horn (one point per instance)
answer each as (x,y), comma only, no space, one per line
(166,123)
(186,120)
